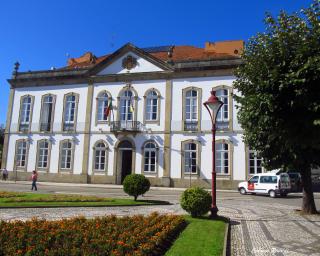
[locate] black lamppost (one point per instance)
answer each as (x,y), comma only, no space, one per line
(213,105)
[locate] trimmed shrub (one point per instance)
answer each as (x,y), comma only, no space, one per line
(196,201)
(135,185)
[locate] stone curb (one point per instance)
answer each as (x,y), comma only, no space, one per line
(226,242)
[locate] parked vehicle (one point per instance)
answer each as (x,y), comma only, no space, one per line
(266,183)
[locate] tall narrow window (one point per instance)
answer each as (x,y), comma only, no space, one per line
(102,106)
(190,158)
(25,113)
(255,162)
(222,158)
(70,112)
(223,115)
(126,106)
(152,106)
(43,154)
(100,157)
(21,154)
(47,113)
(191,110)
(150,154)
(66,155)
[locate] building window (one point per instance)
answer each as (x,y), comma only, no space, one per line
(47,113)
(100,156)
(190,158)
(191,110)
(255,163)
(66,155)
(25,113)
(150,157)
(222,158)
(70,110)
(126,106)
(21,154)
(152,106)
(102,107)
(223,114)
(43,154)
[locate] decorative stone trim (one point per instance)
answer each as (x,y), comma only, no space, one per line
(230,157)
(135,101)
(75,111)
(18,168)
(31,113)
(48,157)
(54,97)
(97,121)
(63,170)
(105,171)
(156,172)
(198,161)
(157,121)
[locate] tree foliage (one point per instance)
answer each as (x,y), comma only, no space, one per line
(280,90)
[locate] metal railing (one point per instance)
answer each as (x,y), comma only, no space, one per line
(191,125)
(118,126)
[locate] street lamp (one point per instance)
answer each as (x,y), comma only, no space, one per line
(213,105)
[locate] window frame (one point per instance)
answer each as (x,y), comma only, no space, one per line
(98,171)
(75,112)
(185,174)
(158,97)
(21,168)
(143,151)
(255,159)
(54,97)
(30,115)
(199,109)
(229,122)
(109,98)
(135,102)
(66,170)
(45,169)
(230,157)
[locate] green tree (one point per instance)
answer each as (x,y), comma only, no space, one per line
(279,94)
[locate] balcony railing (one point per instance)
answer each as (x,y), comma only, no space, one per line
(133,126)
(45,127)
(191,125)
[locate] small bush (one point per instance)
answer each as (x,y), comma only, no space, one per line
(196,201)
(135,185)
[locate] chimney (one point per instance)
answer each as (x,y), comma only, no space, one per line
(234,47)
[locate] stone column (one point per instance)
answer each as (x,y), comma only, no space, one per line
(7,130)
(167,135)
(87,132)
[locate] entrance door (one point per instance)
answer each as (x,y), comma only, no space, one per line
(124,161)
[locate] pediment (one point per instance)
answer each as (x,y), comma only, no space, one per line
(129,59)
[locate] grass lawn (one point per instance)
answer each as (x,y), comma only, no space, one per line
(202,237)
(20,199)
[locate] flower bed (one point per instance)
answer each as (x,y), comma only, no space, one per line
(110,235)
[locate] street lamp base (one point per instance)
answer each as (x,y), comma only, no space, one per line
(214,212)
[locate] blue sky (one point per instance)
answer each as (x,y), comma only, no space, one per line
(40,34)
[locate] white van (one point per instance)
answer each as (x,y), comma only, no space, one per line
(266,183)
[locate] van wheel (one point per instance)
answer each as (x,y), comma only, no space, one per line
(272,193)
(243,191)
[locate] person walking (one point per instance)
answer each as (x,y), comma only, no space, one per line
(34,178)
(5,174)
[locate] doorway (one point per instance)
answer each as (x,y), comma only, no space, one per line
(125,163)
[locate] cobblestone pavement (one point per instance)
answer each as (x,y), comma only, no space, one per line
(257,228)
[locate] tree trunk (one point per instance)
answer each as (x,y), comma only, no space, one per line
(308,205)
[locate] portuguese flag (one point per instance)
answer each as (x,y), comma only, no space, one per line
(108,109)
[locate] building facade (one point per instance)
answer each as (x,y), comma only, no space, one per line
(134,111)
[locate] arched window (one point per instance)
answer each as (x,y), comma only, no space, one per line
(190,158)
(100,156)
(25,113)
(126,106)
(70,112)
(152,106)
(43,154)
(47,112)
(102,106)
(191,108)
(222,158)
(21,154)
(66,155)
(255,162)
(150,157)
(223,115)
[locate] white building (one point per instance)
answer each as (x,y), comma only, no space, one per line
(57,120)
